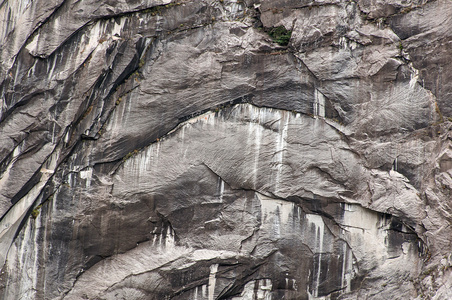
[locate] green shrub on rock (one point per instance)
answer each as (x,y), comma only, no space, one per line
(280,35)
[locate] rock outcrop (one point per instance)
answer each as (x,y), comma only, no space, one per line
(225,149)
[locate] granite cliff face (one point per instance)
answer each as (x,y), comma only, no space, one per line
(196,149)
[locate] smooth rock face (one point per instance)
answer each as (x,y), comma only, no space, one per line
(172,150)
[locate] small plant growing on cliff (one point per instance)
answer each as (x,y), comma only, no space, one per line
(35,212)
(141,64)
(130,154)
(280,35)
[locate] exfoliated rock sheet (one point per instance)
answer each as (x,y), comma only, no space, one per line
(225,149)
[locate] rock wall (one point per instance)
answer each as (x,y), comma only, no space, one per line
(225,149)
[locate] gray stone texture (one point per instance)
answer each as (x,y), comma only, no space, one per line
(167,149)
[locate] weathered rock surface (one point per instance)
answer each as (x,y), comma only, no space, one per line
(173,150)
